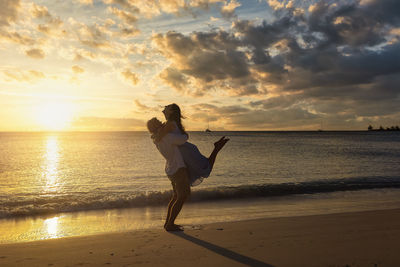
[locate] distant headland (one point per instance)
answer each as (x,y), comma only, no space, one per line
(392,128)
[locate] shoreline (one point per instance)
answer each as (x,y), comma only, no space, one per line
(367,238)
(15,230)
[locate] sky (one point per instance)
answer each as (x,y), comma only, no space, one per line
(105,65)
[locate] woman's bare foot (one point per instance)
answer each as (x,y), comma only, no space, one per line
(221,143)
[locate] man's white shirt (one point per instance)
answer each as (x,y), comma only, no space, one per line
(168,147)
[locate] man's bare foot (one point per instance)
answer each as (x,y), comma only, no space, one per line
(173,228)
(180,226)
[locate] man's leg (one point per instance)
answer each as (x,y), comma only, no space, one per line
(170,204)
(182,187)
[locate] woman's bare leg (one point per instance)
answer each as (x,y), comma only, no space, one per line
(217,147)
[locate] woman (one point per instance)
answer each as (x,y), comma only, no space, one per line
(199,167)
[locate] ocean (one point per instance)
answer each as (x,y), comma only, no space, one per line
(80,174)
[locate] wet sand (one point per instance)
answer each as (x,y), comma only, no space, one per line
(368,238)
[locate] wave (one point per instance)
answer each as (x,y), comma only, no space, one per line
(32,205)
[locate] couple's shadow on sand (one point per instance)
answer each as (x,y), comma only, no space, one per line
(223,251)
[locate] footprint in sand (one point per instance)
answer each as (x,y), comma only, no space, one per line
(196,227)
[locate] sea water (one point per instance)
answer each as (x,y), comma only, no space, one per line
(79,174)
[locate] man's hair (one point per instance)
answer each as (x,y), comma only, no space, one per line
(153,125)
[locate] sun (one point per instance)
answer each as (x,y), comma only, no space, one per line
(55,116)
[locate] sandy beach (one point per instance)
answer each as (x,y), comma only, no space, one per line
(347,239)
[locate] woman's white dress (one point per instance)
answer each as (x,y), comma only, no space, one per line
(197,165)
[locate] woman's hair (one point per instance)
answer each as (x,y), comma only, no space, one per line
(177,117)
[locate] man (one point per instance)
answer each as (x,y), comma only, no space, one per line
(175,169)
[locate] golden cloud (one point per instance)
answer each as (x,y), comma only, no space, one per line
(85,2)
(9,11)
(127,17)
(130,76)
(24,76)
(35,53)
(77,70)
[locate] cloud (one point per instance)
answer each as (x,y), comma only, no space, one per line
(174,78)
(36,53)
(40,11)
(152,8)
(23,76)
(77,70)
(51,23)
(85,2)
(330,60)
(336,58)
(276,4)
(245,116)
(206,61)
(130,76)
(145,108)
(16,37)
(113,124)
(228,9)
(9,11)
(94,36)
(128,32)
(277,102)
(127,17)
(293,118)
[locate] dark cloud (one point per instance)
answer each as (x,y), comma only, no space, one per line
(278,102)
(207,60)
(354,24)
(220,110)
(174,78)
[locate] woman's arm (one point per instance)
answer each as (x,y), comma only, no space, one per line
(165,129)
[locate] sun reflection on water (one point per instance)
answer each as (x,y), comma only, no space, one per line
(52,227)
(50,164)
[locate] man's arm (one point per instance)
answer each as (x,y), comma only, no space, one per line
(177,139)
